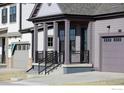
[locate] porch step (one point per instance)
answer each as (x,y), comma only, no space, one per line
(35,69)
(75,68)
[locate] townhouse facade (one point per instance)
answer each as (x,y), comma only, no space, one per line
(94,30)
(88,36)
(16,36)
(13,19)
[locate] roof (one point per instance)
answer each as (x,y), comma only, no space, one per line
(109,8)
(4,4)
(79,8)
(90,9)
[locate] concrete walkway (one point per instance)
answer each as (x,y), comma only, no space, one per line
(63,79)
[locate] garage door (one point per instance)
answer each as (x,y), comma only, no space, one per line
(21,56)
(112,54)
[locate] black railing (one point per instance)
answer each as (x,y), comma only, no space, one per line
(79,56)
(50,62)
(53,59)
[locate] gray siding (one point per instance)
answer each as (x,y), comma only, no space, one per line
(101,27)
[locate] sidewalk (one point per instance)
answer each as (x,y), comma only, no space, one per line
(67,79)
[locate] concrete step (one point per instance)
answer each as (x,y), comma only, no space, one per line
(35,70)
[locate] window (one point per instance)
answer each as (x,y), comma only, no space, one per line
(72,34)
(50,41)
(72,39)
(4,15)
(13,14)
(61,35)
(19,47)
(117,39)
(107,39)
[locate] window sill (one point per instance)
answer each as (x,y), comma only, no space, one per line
(12,22)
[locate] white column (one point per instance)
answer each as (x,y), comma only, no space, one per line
(67,42)
(35,42)
(45,41)
(55,35)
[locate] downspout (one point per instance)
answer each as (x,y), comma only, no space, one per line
(20,17)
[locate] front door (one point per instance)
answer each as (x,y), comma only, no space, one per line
(83,44)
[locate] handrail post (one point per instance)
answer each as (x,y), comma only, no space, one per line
(45,62)
(37,57)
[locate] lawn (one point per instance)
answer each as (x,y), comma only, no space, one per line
(104,82)
(12,74)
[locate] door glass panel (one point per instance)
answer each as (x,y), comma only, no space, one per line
(72,39)
(61,35)
(85,40)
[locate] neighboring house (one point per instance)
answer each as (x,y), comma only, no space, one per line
(90,34)
(15,47)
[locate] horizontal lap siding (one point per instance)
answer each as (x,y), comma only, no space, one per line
(112,56)
(101,27)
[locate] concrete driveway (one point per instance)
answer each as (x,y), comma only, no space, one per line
(63,79)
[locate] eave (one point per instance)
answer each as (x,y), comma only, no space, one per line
(60,17)
(4,4)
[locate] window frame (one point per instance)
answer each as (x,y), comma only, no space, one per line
(13,14)
(4,17)
(50,42)
(72,38)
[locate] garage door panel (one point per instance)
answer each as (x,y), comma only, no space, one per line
(112,54)
(21,56)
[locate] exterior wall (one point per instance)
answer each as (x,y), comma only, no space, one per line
(27,37)
(40,39)
(101,27)
(47,10)
(15,26)
(26,11)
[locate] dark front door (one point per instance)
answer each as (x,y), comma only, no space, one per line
(83,44)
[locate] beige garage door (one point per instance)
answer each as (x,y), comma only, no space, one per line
(112,54)
(21,56)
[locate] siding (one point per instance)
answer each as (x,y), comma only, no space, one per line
(101,27)
(26,11)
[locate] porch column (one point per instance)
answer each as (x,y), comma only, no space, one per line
(45,40)
(55,37)
(67,42)
(90,40)
(35,42)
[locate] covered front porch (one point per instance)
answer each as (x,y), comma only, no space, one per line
(71,41)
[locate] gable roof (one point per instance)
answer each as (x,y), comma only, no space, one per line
(90,9)
(79,8)
(107,8)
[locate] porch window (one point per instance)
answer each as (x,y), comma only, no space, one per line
(72,39)
(50,41)
(13,14)
(61,35)
(4,15)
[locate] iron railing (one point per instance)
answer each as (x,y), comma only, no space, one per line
(50,62)
(79,56)
(53,59)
